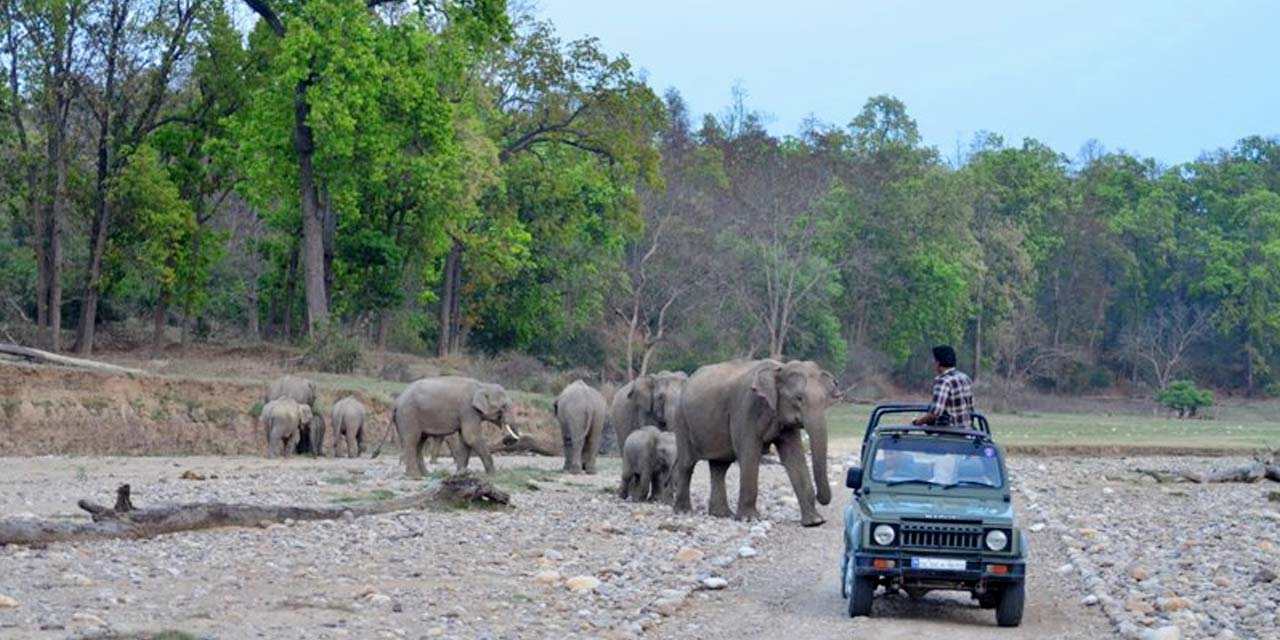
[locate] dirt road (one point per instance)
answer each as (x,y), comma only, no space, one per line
(793,591)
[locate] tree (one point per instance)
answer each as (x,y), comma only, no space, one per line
(1163,341)
(1184,397)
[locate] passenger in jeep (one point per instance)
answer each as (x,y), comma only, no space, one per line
(952,404)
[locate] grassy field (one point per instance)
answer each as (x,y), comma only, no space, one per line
(1239,428)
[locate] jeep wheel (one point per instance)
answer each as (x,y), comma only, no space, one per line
(864,589)
(1009,610)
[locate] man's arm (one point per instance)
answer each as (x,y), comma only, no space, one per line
(935,406)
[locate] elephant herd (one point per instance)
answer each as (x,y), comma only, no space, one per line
(664,423)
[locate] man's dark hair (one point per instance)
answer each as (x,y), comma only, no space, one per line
(944,355)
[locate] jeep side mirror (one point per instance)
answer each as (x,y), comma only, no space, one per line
(853,478)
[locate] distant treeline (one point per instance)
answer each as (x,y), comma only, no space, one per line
(448,177)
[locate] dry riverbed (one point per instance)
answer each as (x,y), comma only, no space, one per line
(571,561)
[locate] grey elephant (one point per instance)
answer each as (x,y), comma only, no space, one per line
(444,406)
(581,411)
(347,418)
(648,457)
(650,399)
(302,391)
(282,421)
(734,411)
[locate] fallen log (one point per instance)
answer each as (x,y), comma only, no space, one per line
(1247,473)
(36,355)
(124,521)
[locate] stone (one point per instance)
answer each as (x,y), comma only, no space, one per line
(1065,569)
(1264,576)
(666,608)
(1176,603)
(714,583)
(582,584)
(689,554)
(1089,600)
(1163,633)
(88,619)
(1222,581)
(7,603)
(548,577)
(76,579)
(1036,528)
(1140,574)
(553,555)
(1137,605)
(1108,491)
(747,551)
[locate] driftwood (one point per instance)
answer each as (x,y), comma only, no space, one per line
(36,355)
(128,522)
(1248,473)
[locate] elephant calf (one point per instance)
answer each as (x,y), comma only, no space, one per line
(648,456)
(347,418)
(282,420)
(303,391)
(581,411)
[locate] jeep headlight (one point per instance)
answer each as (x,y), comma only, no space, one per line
(883,535)
(997,540)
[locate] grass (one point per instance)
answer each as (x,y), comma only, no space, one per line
(373,496)
(1235,429)
(520,478)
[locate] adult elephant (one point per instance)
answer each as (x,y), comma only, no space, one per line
(444,406)
(281,420)
(650,399)
(581,412)
(348,418)
(302,391)
(733,411)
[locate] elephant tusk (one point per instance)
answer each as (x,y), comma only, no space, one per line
(510,431)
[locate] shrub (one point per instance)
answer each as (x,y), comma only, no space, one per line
(332,351)
(1184,397)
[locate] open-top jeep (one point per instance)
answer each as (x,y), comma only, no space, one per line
(932,511)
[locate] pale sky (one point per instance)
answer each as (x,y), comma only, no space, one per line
(1161,78)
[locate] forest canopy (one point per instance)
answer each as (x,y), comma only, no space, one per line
(450,177)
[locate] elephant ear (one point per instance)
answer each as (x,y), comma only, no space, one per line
(765,385)
(484,402)
(637,383)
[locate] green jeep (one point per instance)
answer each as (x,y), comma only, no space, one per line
(932,510)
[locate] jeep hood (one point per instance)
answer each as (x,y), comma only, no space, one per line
(935,506)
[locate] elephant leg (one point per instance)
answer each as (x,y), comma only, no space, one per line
(592,445)
(354,446)
(317,438)
(791,454)
(360,441)
(412,453)
(640,491)
(718,503)
(434,448)
(684,476)
(748,484)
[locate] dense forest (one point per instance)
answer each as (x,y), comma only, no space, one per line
(454,177)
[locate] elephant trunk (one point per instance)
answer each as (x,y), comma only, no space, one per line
(817,430)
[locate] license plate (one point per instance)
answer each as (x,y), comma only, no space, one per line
(942,564)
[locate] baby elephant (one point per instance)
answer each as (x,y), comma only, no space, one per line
(283,420)
(347,418)
(648,456)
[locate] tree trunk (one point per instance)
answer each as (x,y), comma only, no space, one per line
(251,312)
(449,292)
(977,331)
(126,522)
(290,283)
(36,355)
(384,328)
(330,231)
(55,241)
(312,216)
(158,319)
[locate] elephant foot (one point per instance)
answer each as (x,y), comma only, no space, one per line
(591,471)
(681,506)
(719,511)
(812,520)
(572,471)
(748,515)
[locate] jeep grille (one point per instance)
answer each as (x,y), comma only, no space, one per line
(941,536)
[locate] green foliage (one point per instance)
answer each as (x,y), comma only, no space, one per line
(332,351)
(1184,397)
(156,226)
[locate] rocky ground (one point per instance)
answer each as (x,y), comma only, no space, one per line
(1111,553)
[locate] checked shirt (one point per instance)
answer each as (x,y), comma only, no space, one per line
(953,399)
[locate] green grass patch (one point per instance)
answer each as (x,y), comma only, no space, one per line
(1235,429)
(96,404)
(349,479)
(9,407)
(376,495)
(519,478)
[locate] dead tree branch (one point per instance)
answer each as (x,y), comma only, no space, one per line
(36,355)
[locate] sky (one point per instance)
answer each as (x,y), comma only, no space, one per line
(1167,79)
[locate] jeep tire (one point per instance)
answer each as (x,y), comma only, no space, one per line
(864,589)
(1009,609)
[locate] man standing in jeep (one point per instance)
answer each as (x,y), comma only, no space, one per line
(952,404)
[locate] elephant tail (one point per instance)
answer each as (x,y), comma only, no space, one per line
(391,426)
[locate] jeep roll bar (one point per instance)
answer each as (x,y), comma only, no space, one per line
(981,427)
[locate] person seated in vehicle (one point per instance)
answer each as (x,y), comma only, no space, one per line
(897,465)
(952,404)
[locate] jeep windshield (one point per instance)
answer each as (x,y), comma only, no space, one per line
(943,462)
